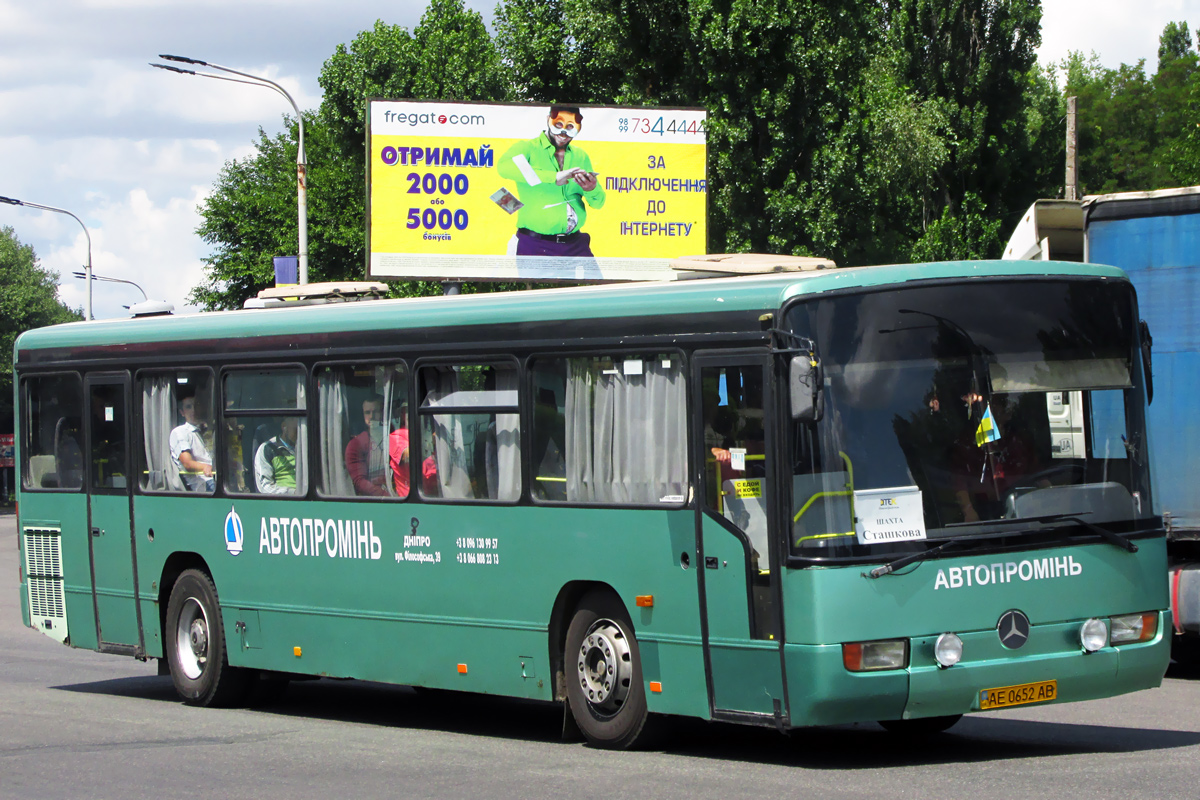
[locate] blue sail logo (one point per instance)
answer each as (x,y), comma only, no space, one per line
(233,532)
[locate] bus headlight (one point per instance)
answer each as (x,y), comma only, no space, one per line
(1093,635)
(947,650)
(1130,628)
(871,656)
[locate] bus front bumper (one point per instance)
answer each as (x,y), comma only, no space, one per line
(836,695)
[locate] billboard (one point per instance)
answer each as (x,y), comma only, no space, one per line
(471,191)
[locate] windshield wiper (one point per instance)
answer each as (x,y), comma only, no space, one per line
(1105,534)
(911,558)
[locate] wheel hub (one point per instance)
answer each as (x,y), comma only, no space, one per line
(199,639)
(191,639)
(604,666)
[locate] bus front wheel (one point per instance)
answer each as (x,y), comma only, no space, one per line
(604,674)
(195,645)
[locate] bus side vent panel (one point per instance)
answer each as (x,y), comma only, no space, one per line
(44,578)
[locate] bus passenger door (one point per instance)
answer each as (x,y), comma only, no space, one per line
(738,557)
(110,483)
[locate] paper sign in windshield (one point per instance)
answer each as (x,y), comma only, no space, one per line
(889,515)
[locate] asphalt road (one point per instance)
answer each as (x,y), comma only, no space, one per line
(79,724)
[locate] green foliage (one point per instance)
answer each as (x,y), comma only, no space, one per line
(1175,42)
(971,233)
(1137,132)
(252,216)
(28,299)
(976,59)
(867,132)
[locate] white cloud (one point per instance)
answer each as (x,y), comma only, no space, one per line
(87,125)
(1117,31)
(134,239)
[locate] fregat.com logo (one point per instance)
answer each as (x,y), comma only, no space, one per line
(233,532)
(433,117)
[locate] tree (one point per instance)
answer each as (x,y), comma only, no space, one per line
(976,60)
(28,299)
(836,127)
(1137,132)
(1175,42)
(783,82)
(251,214)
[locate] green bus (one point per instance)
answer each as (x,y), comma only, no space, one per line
(896,494)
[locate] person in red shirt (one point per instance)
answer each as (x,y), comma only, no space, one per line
(365,455)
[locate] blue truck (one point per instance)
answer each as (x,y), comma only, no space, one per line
(1155,238)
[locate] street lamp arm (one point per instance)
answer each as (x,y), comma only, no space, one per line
(96,277)
(182,59)
(301,160)
(28,204)
(12,201)
(256,82)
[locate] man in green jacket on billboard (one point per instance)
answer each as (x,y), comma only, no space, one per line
(554,177)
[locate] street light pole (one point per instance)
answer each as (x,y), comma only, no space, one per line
(14,202)
(301,162)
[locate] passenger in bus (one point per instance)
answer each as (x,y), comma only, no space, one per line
(987,471)
(366,455)
(191,448)
(275,461)
(398,460)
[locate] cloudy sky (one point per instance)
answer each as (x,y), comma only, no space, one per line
(87,125)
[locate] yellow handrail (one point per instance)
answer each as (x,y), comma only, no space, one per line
(847,492)
(818,496)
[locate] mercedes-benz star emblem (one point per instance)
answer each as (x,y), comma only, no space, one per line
(1013,629)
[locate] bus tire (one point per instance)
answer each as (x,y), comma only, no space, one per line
(604,674)
(195,645)
(922,726)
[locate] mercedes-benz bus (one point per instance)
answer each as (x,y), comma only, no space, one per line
(897,494)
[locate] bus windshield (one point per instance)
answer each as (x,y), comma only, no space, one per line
(949,407)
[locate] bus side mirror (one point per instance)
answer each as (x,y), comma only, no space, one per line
(1147,343)
(805,382)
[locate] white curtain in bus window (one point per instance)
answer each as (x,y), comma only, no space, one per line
(267,432)
(626,433)
(53,433)
(475,454)
(363,442)
(178,432)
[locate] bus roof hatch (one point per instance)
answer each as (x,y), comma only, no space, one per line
(723,264)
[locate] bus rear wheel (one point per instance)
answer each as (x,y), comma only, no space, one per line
(604,674)
(195,645)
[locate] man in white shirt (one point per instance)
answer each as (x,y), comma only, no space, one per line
(189,452)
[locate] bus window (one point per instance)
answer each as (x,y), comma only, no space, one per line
(363,415)
(610,430)
(107,439)
(53,433)
(734,460)
(267,437)
(178,431)
(1108,426)
(471,445)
